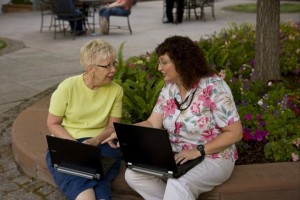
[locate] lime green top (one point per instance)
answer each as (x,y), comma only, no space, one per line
(85,112)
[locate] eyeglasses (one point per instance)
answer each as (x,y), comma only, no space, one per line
(109,66)
(164,63)
(178,105)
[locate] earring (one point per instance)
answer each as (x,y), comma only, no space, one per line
(92,75)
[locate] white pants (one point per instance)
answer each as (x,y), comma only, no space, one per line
(202,178)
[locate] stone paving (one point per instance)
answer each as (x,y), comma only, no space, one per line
(14,183)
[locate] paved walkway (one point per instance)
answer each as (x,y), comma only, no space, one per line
(27,74)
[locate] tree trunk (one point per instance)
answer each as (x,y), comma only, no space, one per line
(267,40)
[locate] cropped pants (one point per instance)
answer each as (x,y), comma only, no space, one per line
(202,178)
(106,12)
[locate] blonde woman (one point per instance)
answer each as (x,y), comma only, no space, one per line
(83,108)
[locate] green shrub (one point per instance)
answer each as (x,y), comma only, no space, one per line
(141,82)
(2,44)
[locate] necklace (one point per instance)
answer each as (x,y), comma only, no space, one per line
(179,105)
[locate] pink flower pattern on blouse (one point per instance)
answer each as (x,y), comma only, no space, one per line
(211,109)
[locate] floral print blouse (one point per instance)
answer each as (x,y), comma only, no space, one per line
(210,106)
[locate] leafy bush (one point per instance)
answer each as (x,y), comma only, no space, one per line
(235,46)
(141,83)
(269,112)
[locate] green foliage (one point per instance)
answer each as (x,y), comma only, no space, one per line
(141,83)
(251,8)
(290,48)
(231,47)
(269,112)
(234,46)
(2,44)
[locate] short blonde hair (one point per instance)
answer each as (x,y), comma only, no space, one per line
(96,51)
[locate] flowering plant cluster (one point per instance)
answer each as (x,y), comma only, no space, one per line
(269,112)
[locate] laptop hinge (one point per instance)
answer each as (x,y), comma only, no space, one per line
(152,172)
(76,173)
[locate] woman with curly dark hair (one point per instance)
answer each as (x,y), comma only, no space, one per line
(197,109)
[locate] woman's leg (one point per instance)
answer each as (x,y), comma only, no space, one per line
(104,12)
(169,10)
(87,194)
(149,187)
(118,11)
(78,23)
(103,187)
(69,185)
(202,178)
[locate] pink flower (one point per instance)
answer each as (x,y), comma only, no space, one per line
(178,126)
(226,156)
(230,121)
(187,146)
(208,135)
(202,121)
(205,96)
(195,107)
(214,155)
(131,65)
(235,154)
(170,107)
(248,117)
(295,157)
(213,106)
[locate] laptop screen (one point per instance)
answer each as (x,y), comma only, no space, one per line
(145,146)
(73,156)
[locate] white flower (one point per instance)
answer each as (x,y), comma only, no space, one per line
(260,102)
(270,83)
(222,74)
(291,37)
(295,157)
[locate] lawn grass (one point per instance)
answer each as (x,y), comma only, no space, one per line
(251,8)
(2,44)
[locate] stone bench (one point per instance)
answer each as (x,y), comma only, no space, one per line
(257,181)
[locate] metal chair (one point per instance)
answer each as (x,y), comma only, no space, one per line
(112,26)
(202,4)
(64,10)
(46,10)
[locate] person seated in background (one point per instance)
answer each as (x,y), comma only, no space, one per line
(68,6)
(83,108)
(119,7)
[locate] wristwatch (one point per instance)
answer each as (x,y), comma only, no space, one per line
(201,149)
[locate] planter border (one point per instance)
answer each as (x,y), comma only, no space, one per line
(8,8)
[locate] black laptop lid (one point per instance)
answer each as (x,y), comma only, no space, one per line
(75,155)
(143,146)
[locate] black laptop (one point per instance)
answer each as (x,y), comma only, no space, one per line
(79,159)
(148,150)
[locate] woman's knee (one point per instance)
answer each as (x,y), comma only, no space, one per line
(128,175)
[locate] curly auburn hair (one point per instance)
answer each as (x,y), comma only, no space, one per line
(189,60)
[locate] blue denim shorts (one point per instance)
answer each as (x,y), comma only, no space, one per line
(71,186)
